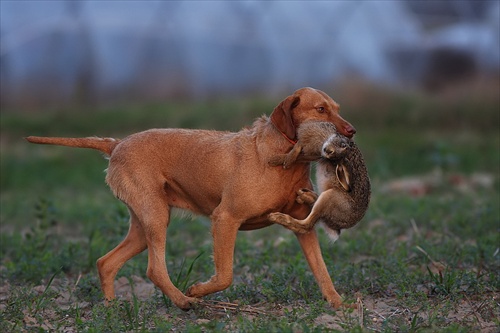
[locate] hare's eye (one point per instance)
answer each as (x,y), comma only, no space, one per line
(321,109)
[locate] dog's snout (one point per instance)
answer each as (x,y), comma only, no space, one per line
(350,131)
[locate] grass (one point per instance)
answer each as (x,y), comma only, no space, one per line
(418,263)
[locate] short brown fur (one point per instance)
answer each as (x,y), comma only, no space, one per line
(342,180)
(222,175)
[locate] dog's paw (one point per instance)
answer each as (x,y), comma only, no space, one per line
(354,306)
(194,290)
(337,303)
(186,303)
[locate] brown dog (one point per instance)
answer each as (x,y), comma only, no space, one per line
(219,174)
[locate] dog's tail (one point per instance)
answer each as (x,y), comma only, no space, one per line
(106,145)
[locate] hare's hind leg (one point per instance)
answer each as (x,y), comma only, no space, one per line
(305,225)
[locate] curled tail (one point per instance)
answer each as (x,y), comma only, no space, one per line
(106,145)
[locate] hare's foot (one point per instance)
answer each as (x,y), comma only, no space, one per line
(289,222)
(306,196)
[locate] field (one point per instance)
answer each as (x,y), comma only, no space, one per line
(426,257)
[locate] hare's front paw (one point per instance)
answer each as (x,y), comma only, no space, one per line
(306,196)
(278,160)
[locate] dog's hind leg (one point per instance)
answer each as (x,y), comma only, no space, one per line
(108,265)
(154,215)
(224,231)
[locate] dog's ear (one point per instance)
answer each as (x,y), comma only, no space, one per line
(343,177)
(282,116)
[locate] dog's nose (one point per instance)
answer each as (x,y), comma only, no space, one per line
(350,131)
(328,150)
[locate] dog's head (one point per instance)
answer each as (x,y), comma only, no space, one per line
(308,104)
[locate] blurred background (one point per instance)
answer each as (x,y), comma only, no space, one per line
(60,53)
(418,79)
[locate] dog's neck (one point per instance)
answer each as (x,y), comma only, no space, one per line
(292,141)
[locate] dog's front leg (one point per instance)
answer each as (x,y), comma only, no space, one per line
(310,246)
(224,231)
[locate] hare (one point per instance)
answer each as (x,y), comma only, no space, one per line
(341,175)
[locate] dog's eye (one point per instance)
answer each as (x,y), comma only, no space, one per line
(321,109)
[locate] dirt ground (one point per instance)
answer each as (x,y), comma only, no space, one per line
(375,310)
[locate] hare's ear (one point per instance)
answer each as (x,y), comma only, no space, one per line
(343,176)
(282,117)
